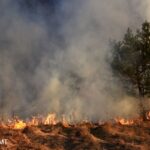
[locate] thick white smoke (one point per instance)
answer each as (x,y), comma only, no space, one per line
(148,10)
(58,64)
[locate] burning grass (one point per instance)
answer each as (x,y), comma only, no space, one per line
(49,133)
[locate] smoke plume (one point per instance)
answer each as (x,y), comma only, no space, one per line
(53,56)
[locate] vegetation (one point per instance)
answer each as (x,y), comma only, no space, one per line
(131,61)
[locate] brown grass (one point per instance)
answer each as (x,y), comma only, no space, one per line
(85,136)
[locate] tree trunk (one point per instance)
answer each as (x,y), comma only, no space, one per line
(142,108)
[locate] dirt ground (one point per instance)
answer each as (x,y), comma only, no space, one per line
(85,136)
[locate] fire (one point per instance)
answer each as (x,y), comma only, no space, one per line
(19,124)
(148,115)
(123,121)
(136,120)
(34,121)
(50,119)
(64,121)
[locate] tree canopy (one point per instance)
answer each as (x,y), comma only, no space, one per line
(131,60)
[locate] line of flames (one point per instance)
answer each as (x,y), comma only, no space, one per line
(51,119)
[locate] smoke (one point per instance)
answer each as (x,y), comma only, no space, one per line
(54,60)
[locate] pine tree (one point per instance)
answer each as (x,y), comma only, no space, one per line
(131,62)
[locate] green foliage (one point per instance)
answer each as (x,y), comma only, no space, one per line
(131,59)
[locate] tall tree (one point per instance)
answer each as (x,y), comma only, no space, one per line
(131,62)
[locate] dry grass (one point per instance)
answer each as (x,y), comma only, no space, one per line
(84,136)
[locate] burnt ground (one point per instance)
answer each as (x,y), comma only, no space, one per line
(84,136)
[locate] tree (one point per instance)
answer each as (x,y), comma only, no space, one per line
(131,62)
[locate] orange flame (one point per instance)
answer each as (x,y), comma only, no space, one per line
(19,125)
(64,121)
(123,121)
(50,119)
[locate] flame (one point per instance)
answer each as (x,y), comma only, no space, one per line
(65,121)
(123,121)
(34,121)
(50,119)
(137,120)
(148,115)
(20,124)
